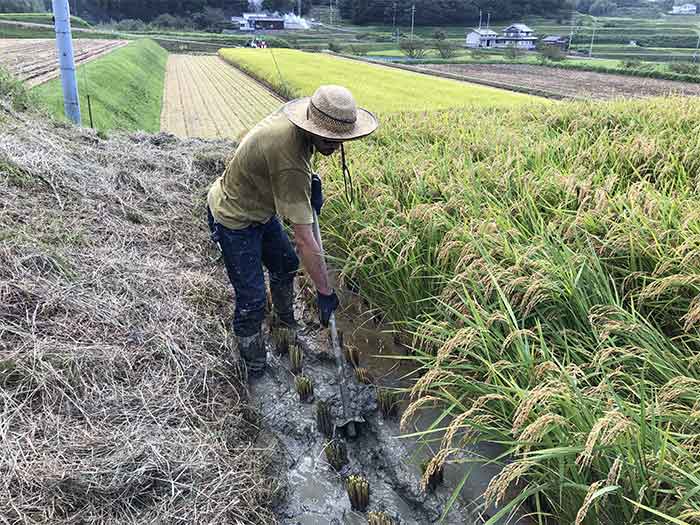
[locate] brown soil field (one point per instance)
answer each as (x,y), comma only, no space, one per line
(207,98)
(35,62)
(566,82)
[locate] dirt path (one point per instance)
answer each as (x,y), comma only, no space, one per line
(207,98)
(35,62)
(566,82)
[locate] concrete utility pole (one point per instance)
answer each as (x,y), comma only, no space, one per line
(299,8)
(590,50)
(480,18)
(413,19)
(571,33)
(64,46)
(393,24)
(488,19)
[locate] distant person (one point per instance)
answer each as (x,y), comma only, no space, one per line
(270,176)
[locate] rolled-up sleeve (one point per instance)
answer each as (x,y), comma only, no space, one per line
(292,192)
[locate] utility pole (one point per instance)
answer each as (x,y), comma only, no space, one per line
(488,19)
(64,46)
(480,19)
(299,8)
(413,19)
(590,50)
(571,33)
(393,25)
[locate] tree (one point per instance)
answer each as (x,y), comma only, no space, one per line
(414,48)
(602,8)
(210,18)
(286,6)
(446,48)
(21,6)
(512,52)
(238,7)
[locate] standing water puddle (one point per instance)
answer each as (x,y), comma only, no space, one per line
(315,492)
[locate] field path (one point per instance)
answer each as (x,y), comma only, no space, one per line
(567,83)
(207,98)
(35,62)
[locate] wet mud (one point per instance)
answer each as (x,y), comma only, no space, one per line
(315,492)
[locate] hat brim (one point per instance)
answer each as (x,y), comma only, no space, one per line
(296,112)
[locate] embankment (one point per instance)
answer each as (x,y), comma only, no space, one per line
(119,401)
(125,88)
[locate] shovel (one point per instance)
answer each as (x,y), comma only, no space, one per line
(347,424)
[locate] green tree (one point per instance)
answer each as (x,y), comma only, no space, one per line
(602,8)
(21,6)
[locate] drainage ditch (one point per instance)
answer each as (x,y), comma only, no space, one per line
(316,492)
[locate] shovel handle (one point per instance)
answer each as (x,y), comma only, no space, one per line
(340,364)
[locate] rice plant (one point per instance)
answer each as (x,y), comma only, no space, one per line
(548,277)
(363,376)
(336,453)
(352,355)
(387,401)
(296,359)
(283,338)
(304,387)
(324,419)
(379,518)
(358,492)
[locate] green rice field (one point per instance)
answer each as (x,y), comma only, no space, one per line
(543,264)
(294,73)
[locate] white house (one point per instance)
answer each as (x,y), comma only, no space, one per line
(517,35)
(481,38)
(685,9)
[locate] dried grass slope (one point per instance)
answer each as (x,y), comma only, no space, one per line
(117,403)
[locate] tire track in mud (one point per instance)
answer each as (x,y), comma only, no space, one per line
(207,98)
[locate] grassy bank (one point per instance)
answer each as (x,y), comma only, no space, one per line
(547,263)
(120,401)
(41,18)
(125,87)
(295,73)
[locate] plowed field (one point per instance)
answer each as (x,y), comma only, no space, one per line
(567,83)
(207,98)
(35,61)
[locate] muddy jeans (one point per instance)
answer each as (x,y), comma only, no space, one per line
(245,251)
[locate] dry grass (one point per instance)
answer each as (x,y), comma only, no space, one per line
(118,402)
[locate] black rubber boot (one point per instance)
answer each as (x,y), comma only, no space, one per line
(253,353)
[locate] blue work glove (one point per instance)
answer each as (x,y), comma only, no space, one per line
(316,194)
(327,304)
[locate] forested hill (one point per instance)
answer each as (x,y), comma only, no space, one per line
(428,12)
(437,12)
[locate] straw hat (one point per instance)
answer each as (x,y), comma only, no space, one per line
(331,113)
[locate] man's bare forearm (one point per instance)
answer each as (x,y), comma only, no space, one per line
(309,253)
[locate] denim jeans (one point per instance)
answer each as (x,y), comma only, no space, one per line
(245,251)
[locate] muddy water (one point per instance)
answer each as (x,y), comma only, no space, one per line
(315,492)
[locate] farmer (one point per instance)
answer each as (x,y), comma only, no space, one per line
(270,176)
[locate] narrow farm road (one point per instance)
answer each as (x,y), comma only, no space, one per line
(207,98)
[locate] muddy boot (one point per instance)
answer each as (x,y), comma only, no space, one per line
(253,353)
(283,301)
